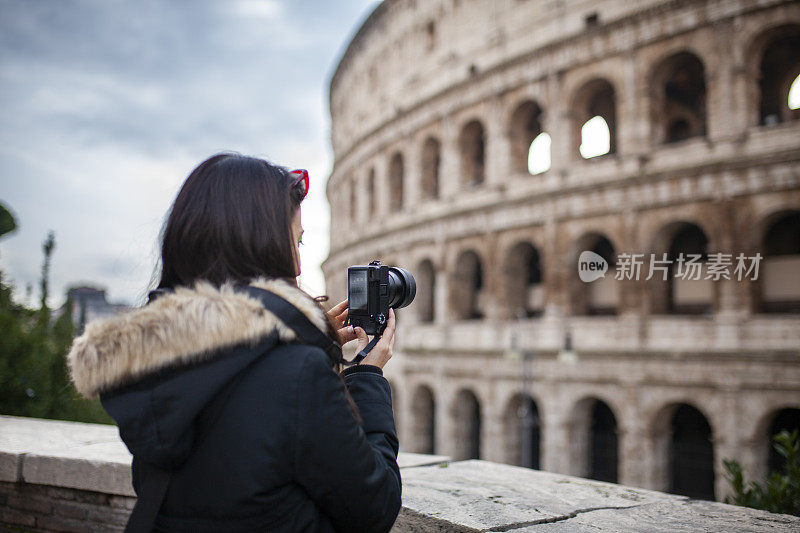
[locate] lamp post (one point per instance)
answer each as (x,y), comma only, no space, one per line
(529,419)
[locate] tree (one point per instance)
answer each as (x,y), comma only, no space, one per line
(34,379)
(7,221)
(780,492)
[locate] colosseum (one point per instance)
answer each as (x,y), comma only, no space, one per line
(485,144)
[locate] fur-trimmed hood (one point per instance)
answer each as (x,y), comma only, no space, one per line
(183,327)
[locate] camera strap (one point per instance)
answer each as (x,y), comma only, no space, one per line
(363,353)
(303,327)
(296,320)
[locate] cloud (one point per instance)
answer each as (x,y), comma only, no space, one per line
(109,105)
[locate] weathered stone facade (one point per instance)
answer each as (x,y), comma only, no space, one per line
(434,106)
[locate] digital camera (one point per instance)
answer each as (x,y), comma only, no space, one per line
(372,290)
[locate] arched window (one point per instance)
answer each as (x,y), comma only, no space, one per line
(691,454)
(794,94)
(679,99)
(595,119)
(431,159)
(396,177)
(785,420)
(472,142)
(426,291)
(467,289)
(779,70)
(539,154)
(353,201)
(530,147)
(595,138)
(423,407)
(371,198)
(467,417)
(601,296)
(603,444)
(780,283)
(524,287)
(689,292)
(523,432)
(593,440)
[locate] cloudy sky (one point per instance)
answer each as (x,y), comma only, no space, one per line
(108,104)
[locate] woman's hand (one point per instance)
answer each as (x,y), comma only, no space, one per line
(337,315)
(382,351)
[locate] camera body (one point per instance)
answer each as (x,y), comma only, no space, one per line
(374,288)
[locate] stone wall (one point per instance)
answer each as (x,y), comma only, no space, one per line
(419,75)
(54,477)
(34,507)
(72,477)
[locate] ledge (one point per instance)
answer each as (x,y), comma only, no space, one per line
(477,496)
(64,454)
(438,495)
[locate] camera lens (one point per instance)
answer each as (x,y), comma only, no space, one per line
(402,287)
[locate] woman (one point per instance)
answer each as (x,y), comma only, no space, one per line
(242,425)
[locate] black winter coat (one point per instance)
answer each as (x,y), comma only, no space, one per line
(255,427)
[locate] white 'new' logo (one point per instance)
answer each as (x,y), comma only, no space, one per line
(591,266)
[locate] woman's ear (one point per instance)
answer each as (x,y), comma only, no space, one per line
(297,238)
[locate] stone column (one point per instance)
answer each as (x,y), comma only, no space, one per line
(632,113)
(555,437)
(449,178)
(497,145)
(722,115)
(441,313)
(412,181)
(492,430)
(381,199)
(445,423)
(727,437)
(632,439)
(557,124)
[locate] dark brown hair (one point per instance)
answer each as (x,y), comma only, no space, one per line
(231,221)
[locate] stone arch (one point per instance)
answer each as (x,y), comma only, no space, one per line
(595,98)
(524,281)
(431,163)
(472,144)
(423,420)
(774,66)
(684,451)
(468,287)
(426,291)
(524,127)
(680,249)
(593,440)
(396,177)
(780,248)
(678,98)
(599,297)
(466,414)
(522,429)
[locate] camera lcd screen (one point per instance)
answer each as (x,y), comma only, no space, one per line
(357,290)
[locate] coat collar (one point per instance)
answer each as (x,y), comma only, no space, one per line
(182,327)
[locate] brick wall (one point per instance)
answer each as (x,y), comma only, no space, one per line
(30,507)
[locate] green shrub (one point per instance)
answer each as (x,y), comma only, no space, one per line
(780,492)
(34,380)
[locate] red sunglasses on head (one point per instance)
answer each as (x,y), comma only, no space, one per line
(300,179)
